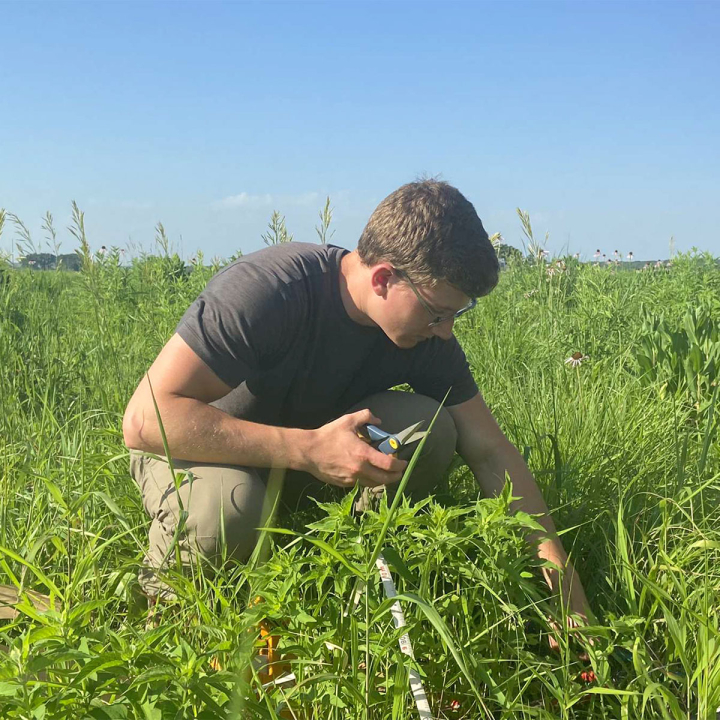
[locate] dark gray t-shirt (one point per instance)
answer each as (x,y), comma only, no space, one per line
(272,325)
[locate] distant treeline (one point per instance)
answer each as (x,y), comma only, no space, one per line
(73,261)
(48,261)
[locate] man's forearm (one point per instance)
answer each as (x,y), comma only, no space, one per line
(489,473)
(200,432)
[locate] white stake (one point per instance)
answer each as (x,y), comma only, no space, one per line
(416,685)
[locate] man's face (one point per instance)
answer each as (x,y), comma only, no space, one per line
(412,307)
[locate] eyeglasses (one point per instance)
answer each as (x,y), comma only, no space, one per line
(438,319)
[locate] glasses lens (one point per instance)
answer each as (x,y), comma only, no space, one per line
(439,319)
(460,312)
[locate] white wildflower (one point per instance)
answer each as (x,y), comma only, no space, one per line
(576,359)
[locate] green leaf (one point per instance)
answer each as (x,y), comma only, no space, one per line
(99,663)
(39,574)
(8,689)
(151,711)
(55,492)
(304,619)
(439,624)
(322,545)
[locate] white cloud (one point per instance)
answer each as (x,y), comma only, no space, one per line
(244,200)
(278,202)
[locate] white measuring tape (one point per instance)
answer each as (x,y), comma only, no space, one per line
(416,686)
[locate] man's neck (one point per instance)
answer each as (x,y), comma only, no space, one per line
(352,282)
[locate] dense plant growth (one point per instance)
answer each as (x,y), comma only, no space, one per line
(605,379)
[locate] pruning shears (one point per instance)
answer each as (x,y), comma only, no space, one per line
(390,443)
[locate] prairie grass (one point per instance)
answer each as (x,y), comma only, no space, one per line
(630,471)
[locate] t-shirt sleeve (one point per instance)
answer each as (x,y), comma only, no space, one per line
(242,322)
(443,364)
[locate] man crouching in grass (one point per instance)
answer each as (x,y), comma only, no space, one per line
(289,351)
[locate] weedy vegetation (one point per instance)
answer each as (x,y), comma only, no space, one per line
(605,378)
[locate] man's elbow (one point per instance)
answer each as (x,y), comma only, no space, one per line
(131,428)
(490,462)
(482,455)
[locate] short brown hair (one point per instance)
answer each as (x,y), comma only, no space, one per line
(430,230)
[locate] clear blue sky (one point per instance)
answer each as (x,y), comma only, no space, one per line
(600,119)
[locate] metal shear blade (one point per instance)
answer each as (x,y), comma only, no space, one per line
(410,434)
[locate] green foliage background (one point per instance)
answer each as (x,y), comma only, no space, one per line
(625,451)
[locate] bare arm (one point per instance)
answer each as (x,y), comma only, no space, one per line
(489,454)
(183,385)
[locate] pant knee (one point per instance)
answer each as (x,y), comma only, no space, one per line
(444,434)
(222,515)
(440,445)
(229,519)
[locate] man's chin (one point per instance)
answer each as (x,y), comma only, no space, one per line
(406,343)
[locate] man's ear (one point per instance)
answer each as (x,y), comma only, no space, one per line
(380,278)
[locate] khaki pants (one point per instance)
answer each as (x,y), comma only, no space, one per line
(225,502)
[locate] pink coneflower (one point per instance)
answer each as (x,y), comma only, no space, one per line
(576,359)
(557,266)
(576,256)
(630,255)
(616,253)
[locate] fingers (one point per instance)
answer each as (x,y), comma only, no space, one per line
(377,467)
(572,623)
(376,470)
(344,459)
(381,468)
(364,417)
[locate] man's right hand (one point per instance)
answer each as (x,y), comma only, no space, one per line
(337,456)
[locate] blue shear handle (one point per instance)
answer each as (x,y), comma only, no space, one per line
(388,443)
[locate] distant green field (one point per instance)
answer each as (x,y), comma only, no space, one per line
(624,445)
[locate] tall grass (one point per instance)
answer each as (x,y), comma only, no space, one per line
(631,474)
